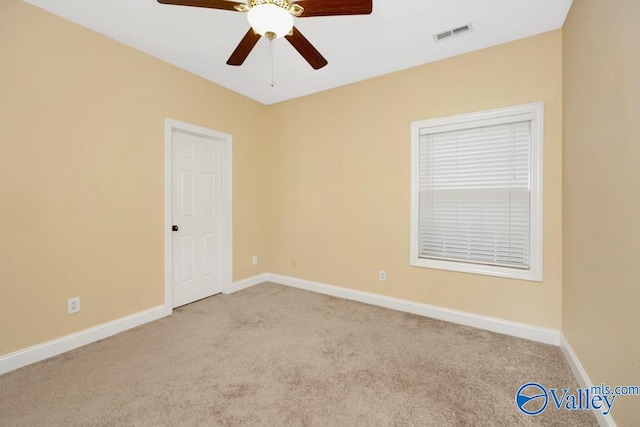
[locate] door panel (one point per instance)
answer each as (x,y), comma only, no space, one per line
(197,212)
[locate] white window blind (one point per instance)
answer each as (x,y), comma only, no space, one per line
(474,193)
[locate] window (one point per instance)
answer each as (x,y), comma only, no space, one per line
(476,203)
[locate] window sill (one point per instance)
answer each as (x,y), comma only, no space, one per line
(532,274)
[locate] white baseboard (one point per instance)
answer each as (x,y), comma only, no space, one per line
(521,330)
(247,283)
(43,351)
(61,345)
(583,378)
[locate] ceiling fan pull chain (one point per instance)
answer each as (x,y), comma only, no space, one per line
(272,66)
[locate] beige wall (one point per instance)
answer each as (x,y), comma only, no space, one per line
(82,170)
(341,177)
(601,295)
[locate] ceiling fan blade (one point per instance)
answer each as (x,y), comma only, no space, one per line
(244,48)
(211,4)
(335,7)
(306,49)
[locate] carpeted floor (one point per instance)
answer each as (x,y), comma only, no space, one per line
(276,356)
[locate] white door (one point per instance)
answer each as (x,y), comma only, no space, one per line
(196,217)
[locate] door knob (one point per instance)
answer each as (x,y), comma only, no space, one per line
(174,228)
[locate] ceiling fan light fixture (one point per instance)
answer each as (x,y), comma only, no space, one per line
(269,18)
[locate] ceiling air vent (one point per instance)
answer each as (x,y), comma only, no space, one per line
(453,32)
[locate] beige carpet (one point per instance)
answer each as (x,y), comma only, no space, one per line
(275,356)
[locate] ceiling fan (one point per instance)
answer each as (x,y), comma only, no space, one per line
(274,19)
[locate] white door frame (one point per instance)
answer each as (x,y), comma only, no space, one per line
(227,246)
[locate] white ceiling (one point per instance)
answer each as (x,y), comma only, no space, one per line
(397,35)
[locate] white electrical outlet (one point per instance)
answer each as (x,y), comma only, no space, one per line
(254,260)
(73,305)
(382,275)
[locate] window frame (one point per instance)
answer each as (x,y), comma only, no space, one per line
(481,119)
